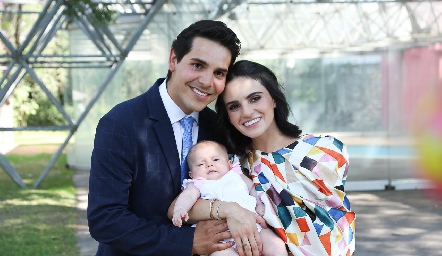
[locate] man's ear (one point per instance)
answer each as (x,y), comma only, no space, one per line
(172,60)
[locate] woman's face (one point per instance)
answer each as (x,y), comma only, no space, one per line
(250,107)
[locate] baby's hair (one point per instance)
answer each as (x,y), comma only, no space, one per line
(193,148)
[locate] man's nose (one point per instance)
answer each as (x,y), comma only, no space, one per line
(206,79)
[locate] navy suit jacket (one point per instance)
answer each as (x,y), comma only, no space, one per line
(135,175)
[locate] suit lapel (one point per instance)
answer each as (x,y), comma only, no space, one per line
(165,135)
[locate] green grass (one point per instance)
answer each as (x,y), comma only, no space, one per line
(37,221)
(39,137)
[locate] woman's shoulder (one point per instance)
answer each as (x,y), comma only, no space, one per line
(327,141)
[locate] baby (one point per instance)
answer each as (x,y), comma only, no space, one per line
(214,177)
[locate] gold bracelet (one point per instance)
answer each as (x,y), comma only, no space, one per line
(217,210)
(211,208)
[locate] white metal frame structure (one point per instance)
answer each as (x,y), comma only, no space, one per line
(272,28)
(23,59)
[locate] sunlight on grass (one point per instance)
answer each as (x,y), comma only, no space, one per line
(39,137)
(41,201)
(38,221)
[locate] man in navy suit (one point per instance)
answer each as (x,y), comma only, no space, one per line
(135,169)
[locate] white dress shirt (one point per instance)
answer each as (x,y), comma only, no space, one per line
(175,115)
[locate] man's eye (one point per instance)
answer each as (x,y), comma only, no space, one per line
(197,65)
(220,74)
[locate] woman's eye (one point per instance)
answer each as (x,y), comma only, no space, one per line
(233,107)
(255,98)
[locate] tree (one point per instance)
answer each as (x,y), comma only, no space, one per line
(31,105)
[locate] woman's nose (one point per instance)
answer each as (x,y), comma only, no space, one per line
(247,110)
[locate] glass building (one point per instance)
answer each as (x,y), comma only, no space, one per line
(363,71)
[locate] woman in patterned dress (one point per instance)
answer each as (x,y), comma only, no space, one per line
(299,178)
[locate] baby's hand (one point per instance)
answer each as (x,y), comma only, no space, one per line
(178,216)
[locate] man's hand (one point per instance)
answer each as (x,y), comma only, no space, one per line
(208,235)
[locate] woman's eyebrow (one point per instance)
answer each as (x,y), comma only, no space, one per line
(247,97)
(253,93)
(231,102)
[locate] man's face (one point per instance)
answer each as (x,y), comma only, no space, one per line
(200,76)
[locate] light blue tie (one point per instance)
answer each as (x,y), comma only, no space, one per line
(187,124)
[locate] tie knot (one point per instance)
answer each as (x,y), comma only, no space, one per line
(187,121)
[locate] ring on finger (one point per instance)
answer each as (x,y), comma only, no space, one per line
(245,244)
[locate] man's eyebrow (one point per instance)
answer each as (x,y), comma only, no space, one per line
(205,63)
(223,70)
(199,60)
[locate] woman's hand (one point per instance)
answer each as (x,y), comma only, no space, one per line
(242,226)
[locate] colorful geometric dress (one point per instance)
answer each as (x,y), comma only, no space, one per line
(302,188)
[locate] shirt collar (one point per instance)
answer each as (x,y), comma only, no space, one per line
(173,111)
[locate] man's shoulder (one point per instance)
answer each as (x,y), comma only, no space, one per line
(138,103)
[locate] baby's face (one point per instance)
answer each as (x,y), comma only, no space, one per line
(209,161)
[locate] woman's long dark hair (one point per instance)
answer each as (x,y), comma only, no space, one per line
(234,140)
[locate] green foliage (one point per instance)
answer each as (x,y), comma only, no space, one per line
(309,84)
(100,13)
(31,104)
(46,114)
(23,106)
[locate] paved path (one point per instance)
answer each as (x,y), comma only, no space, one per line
(88,246)
(389,223)
(400,222)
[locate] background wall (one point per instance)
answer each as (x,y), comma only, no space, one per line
(368,100)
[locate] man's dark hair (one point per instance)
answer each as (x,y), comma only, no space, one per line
(213,30)
(234,140)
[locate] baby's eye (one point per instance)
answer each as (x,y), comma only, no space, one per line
(200,165)
(216,159)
